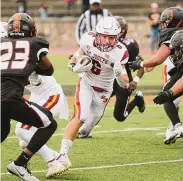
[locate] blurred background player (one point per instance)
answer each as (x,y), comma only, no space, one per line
(122,106)
(46,92)
(95,87)
(171,20)
(32,55)
(153,19)
(89,19)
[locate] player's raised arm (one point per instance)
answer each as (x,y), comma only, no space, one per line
(45,66)
(170,21)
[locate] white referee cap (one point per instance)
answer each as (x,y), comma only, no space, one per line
(95,1)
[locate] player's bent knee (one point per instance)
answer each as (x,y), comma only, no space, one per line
(53,124)
(119,117)
(18,131)
(22,144)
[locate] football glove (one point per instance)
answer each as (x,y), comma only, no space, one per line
(35,79)
(84,64)
(163,97)
(135,65)
(132,86)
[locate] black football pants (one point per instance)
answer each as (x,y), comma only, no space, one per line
(30,114)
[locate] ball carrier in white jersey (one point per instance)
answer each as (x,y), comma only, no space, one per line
(46,92)
(103,61)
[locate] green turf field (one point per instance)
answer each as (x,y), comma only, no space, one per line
(128,151)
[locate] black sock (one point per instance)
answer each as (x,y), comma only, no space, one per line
(172,112)
(131,106)
(23,159)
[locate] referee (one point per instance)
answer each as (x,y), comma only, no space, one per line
(89,19)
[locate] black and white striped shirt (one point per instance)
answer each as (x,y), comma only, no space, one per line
(88,21)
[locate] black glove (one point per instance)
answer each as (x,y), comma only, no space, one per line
(163,97)
(135,65)
(132,86)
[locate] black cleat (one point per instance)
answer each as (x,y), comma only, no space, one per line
(139,98)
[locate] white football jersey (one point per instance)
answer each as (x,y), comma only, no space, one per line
(169,62)
(48,86)
(102,74)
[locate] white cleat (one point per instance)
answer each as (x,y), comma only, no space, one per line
(176,132)
(64,160)
(169,134)
(55,168)
(21,172)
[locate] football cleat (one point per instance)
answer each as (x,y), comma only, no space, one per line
(177,132)
(139,98)
(21,172)
(169,135)
(55,168)
(79,135)
(64,160)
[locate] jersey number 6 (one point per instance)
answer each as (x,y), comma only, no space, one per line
(96,69)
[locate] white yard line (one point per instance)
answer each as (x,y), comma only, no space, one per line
(112,131)
(160,134)
(113,166)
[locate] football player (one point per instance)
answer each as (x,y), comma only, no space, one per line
(171,20)
(101,57)
(122,106)
(21,54)
(176,43)
(46,92)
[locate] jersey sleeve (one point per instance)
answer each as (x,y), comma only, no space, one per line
(42,47)
(87,39)
(125,57)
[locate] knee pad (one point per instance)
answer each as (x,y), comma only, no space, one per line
(177,102)
(18,131)
(22,144)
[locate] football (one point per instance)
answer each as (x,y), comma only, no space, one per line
(85,60)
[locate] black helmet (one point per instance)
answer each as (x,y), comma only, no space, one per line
(171,18)
(176,43)
(21,25)
(123,24)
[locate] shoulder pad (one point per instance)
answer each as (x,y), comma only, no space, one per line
(86,38)
(42,41)
(132,47)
